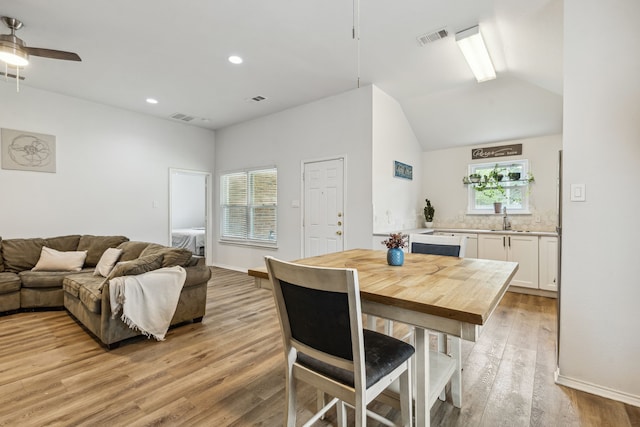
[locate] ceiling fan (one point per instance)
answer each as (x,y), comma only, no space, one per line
(14,52)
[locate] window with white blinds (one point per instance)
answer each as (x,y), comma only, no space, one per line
(249,205)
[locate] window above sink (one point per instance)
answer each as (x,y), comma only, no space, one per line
(505,182)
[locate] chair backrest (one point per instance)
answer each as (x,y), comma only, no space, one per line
(320,313)
(438,245)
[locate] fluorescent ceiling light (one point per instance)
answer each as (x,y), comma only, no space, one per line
(235,59)
(475,52)
(12,56)
(152,100)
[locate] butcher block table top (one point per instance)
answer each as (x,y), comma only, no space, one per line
(462,289)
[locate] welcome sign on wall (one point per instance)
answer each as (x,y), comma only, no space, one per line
(500,151)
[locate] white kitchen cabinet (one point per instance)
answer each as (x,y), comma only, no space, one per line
(472,242)
(519,248)
(548,263)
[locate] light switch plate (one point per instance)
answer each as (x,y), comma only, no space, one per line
(578,193)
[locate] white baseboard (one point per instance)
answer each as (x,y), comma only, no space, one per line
(598,390)
(230,267)
(531,291)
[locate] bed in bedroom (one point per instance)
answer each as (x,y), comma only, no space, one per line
(189,238)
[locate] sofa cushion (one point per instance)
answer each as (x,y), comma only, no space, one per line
(53,260)
(132,250)
(96,245)
(21,254)
(85,287)
(63,243)
(107,262)
(46,279)
(91,296)
(172,256)
(9,282)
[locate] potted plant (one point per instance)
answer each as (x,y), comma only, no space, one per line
(475,177)
(394,244)
(428,214)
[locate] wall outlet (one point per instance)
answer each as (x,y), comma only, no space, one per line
(537,219)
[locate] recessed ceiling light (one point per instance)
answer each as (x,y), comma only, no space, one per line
(152,101)
(235,59)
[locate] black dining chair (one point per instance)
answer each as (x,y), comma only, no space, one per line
(326,346)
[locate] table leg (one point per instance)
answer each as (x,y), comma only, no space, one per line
(456,379)
(423,418)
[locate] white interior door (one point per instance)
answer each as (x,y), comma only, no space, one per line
(323,207)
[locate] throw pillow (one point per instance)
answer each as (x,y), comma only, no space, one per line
(172,256)
(107,262)
(135,267)
(52,260)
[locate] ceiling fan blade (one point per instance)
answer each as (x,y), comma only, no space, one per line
(51,53)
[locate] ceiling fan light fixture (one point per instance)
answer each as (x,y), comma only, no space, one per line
(472,45)
(13,56)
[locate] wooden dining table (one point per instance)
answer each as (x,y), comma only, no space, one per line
(445,294)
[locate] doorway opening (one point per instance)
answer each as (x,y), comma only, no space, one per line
(189,219)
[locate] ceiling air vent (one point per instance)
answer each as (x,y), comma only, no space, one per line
(432,36)
(258,98)
(182,117)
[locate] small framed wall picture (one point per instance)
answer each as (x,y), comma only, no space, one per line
(402,170)
(28,151)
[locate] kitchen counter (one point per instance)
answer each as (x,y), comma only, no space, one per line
(477,231)
(411,231)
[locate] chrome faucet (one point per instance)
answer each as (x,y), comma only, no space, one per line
(506,222)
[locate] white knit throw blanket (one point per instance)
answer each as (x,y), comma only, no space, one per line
(149,300)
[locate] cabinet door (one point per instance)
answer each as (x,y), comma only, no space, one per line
(472,246)
(524,250)
(492,246)
(548,251)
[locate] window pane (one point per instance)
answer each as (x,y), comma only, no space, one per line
(234,189)
(249,205)
(512,191)
(234,221)
(264,223)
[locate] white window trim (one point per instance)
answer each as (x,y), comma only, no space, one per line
(471,191)
(238,241)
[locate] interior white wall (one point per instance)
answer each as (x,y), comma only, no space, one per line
(599,339)
(335,126)
(112,168)
(188,200)
(443,171)
(397,202)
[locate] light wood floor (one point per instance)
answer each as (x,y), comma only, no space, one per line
(228,371)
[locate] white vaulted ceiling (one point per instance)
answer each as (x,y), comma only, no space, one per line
(298,51)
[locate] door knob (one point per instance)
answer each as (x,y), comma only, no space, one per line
(339,233)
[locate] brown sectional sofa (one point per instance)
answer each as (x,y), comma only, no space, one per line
(86,296)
